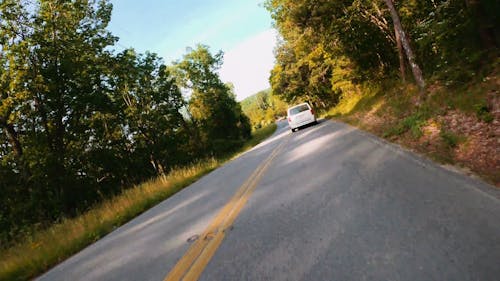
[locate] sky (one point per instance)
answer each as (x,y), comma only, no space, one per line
(240,28)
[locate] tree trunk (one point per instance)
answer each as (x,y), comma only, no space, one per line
(13,138)
(417,72)
(402,67)
(156,165)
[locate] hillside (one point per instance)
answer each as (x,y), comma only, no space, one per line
(423,74)
(457,126)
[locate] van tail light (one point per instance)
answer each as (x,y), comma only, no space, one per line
(289,119)
(312,111)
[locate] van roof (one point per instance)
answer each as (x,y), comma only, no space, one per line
(298,105)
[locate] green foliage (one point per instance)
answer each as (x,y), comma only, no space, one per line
(483,112)
(79,122)
(263,108)
(329,48)
(53,81)
(150,104)
(412,123)
(448,35)
(212,105)
(449,138)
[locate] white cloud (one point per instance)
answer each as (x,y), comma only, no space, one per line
(248,65)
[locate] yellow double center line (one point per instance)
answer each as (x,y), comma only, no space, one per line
(194,261)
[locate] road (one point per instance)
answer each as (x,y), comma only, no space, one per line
(326,203)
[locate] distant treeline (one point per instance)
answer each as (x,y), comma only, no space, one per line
(263,108)
(79,121)
(330,48)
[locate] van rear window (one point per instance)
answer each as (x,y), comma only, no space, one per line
(298,109)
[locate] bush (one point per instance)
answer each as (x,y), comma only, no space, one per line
(450,139)
(412,123)
(483,112)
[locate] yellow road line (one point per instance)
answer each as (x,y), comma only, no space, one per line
(194,261)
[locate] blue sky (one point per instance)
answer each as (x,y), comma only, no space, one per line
(241,28)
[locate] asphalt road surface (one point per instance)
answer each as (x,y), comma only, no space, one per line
(328,202)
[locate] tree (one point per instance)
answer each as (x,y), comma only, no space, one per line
(263,108)
(417,72)
(212,104)
(151,104)
(56,111)
(14,58)
(325,40)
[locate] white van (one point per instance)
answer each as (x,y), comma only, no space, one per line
(300,115)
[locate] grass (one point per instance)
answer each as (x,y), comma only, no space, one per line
(412,124)
(451,139)
(483,112)
(46,248)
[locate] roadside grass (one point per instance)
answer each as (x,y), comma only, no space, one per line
(46,248)
(451,139)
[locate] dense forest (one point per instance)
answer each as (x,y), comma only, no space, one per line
(331,48)
(80,121)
